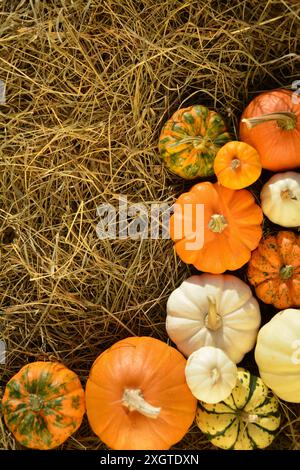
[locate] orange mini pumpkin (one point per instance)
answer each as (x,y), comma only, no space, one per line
(216,228)
(271,124)
(237,165)
(43,404)
(274,270)
(137,397)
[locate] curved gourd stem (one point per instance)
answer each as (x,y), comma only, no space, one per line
(133,400)
(213,320)
(287,194)
(285,120)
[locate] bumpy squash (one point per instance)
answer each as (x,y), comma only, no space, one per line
(274,270)
(248,419)
(43,404)
(189,141)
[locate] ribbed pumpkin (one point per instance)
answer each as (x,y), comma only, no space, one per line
(237,165)
(189,141)
(137,397)
(43,404)
(215,228)
(248,419)
(271,124)
(274,270)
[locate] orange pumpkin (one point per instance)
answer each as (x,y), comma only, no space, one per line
(274,270)
(137,397)
(43,404)
(271,124)
(237,165)
(215,228)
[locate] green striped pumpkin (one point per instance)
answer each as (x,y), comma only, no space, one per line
(190,139)
(248,419)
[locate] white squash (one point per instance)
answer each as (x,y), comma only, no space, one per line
(213,310)
(210,374)
(280,199)
(277,354)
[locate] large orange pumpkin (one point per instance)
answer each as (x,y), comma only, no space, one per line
(274,270)
(137,397)
(43,404)
(216,228)
(271,124)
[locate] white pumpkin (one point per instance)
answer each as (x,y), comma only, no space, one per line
(213,310)
(210,374)
(280,199)
(277,354)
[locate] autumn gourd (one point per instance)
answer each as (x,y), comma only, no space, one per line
(137,397)
(271,124)
(280,199)
(43,404)
(215,228)
(277,354)
(213,310)
(274,270)
(190,139)
(248,419)
(210,374)
(237,165)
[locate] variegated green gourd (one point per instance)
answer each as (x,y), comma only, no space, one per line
(190,139)
(43,404)
(248,419)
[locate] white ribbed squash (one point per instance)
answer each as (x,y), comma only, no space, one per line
(213,310)
(210,374)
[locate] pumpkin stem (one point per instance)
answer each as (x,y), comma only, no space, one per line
(235,163)
(133,399)
(215,375)
(217,223)
(285,120)
(213,320)
(288,194)
(286,271)
(248,417)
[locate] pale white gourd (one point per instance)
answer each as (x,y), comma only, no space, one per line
(213,310)
(210,374)
(277,354)
(280,199)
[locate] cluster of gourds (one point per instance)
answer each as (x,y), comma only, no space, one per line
(144,394)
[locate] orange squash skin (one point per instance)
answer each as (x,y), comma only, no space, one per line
(274,270)
(231,247)
(278,147)
(43,404)
(237,165)
(157,371)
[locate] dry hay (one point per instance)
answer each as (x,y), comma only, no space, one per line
(89,85)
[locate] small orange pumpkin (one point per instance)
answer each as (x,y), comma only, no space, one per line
(216,228)
(137,397)
(237,165)
(271,124)
(43,404)
(274,270)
